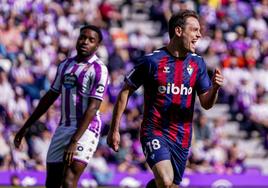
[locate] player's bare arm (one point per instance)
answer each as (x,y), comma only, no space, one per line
(113,138)
(209,98)
(45,102)
(94,105)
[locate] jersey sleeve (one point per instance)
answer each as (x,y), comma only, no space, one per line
(203,82)
(56,84)
(100,82)
(137,76)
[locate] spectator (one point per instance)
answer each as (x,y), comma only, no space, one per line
(7,95)
(35,35)
(201,129)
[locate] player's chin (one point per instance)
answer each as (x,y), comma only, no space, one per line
(84,53)
(192,50)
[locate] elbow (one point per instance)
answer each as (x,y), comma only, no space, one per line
(93,110)
(206,107)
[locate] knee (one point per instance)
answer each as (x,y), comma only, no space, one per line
(68,180)
(165,182)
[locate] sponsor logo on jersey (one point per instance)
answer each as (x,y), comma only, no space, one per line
(100,88)
(166,70)
(69,80)
(171,88)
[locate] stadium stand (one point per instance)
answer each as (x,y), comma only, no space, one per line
(231,138)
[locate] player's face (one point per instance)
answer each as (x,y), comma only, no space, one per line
(87,42)
(191,34)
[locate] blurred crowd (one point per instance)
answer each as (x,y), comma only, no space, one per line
(35,35)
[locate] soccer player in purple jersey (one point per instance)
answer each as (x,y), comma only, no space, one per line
(171,77)
(81,81)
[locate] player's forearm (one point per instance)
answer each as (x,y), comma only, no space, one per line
(117,114)
(119,108)
(210,98)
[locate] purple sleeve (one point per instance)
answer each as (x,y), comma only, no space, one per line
(100,83)
(203,81)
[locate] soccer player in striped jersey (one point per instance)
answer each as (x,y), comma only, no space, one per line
(171,76)
(81,81)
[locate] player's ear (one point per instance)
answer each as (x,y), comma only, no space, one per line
(96,47)
(178,31)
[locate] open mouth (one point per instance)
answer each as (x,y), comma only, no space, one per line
(193,42)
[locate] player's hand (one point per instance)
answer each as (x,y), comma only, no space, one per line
(69,153)
(113,140)
(217,79)
(19,136)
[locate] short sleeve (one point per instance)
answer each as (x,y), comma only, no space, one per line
(100,82)
(203,81)
(137,76)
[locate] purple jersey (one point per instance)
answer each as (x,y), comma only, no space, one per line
(77,82)
(170,86)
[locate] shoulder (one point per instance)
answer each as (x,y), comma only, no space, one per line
(98,64)
(156,54)
(154,57)
(197,59)
(195,56)
(65,62)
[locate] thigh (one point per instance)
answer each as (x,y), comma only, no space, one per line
(155,150)
(165,156)
(54,175)
(60,140)
(86,147)
(163,170)
(178,160)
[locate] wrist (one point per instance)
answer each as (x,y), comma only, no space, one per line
(215,88)
(114,127)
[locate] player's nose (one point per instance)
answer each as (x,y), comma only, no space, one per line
(199,35)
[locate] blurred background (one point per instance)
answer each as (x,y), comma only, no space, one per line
(230,143)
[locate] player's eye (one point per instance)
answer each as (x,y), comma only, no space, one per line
(82,37)
(92,40)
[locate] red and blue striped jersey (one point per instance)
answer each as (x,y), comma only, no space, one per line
(170,85)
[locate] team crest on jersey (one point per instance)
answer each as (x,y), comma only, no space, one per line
(152,156)
(69,80)
(190,70)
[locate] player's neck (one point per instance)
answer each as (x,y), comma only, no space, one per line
(81,58)
(173,49)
